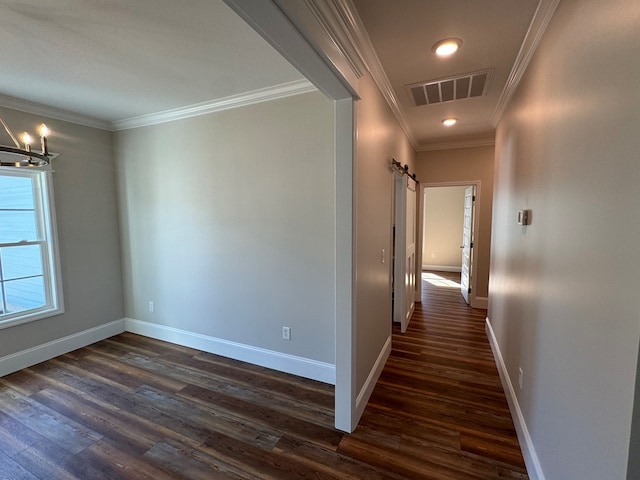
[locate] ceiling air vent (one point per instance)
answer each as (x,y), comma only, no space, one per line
(450,89)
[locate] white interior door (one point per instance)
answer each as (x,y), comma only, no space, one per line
(467,242)
(404,251)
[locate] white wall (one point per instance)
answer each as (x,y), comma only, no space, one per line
(442,228)
(564,291)
(379,139)
(87,223)
(228,225)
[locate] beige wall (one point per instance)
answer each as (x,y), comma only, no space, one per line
(462,165)
(87,224)
(379,139)
(228,225)
(442,228)
(564,291)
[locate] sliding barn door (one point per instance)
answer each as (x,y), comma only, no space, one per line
(404,275)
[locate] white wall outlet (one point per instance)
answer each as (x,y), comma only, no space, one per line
(151,307)
(520,375)
(383,256)
(286,333)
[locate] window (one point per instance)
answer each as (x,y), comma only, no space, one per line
(30,286)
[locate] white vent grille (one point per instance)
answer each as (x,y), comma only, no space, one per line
(450,89)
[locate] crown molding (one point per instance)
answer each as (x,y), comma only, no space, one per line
(354,33)
(234,101)
(537,27)
(52,112)
(350,30)
(339,24)
(479,142)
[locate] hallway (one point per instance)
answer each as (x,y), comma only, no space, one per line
(438,410)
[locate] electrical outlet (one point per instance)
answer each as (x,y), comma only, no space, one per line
(151,307)
(520,375)
(383,256)
(286,333)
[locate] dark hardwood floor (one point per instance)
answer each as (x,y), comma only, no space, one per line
(131,407)
(439,400)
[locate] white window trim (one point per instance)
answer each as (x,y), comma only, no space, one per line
(51,262)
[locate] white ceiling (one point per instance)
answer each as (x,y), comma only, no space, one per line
(121,59)
(118,59)
(402,33)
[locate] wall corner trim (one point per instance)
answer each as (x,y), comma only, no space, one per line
(454,144)
(300,366)
(353,37)
(537,27)
(266,94)
(52,112)
(531,460)
(40,353)
(372,379)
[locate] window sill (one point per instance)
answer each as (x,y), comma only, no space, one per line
(39,314)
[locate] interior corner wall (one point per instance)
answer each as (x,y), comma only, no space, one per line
(563,299)
(88,238)
(228,225)
(379,139)
(460,165)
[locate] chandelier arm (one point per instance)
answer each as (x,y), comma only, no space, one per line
(10,133)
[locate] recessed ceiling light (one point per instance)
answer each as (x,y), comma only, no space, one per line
(449,122)
(446,47)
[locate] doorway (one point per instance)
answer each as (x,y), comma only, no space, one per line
(448,226)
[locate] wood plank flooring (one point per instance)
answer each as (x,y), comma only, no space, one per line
(439,399)
(131,408)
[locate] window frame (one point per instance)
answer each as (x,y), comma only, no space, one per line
(44,206)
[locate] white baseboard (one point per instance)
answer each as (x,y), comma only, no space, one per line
(442,268)
(31,356)
(480,302)
(528,450)
(303,367)
(372,379)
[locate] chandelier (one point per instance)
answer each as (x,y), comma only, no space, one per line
(25,157)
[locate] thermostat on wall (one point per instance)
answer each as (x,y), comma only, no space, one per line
(524,217)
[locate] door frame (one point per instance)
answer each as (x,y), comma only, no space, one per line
(473,302)
(269,20)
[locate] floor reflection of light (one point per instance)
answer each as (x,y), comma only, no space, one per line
(438,281)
